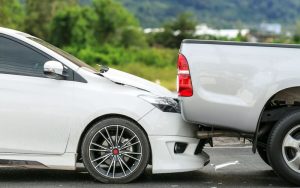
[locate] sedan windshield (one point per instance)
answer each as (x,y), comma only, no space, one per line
(66,55)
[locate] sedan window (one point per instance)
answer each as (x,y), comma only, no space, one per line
(15,58)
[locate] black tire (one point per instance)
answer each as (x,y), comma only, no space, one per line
(263,154)
(276,153)
(119,168)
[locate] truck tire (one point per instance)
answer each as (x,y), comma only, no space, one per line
(263,154)
(283,148)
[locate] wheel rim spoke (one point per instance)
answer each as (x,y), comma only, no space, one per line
(102,161)
(114,157)
(99,146)
(100,150)
(111,163)
(289,141)
(116,139)
(122,161)
(121,165)
(109,137)
(131,157)
(120,136)
(130,152)
(128,141)
(100,157)
(295,162)
(123,148)
(106,139)
(114,168)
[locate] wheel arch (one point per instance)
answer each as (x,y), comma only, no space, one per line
(290,95)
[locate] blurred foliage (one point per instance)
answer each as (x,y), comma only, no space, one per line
(11,14)
(297,33)
(73,27)
(177,30)
(113,18)
(39,14)
(105,32)
(105,21)
(218,13)
(111,55)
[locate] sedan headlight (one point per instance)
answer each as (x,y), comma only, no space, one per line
(165,104)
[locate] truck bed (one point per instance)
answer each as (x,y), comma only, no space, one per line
(232,81)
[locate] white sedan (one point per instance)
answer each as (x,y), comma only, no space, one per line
(56,112)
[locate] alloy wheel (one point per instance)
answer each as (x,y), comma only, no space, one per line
(115,151)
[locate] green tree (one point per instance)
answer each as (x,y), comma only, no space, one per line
(241,38)
(296,37)
(11,14)
(40,13)
(133,37)
(175,31)
(73,26)
(105,21)
(115,23)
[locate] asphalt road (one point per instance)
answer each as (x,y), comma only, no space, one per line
(250,172)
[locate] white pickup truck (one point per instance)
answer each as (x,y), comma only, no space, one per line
(245,89)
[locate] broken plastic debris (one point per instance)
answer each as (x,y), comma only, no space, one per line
(217,167)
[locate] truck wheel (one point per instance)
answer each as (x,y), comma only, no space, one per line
(115,150)
(284,148)
(263,154)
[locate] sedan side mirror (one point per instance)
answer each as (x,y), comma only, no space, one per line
(54,69)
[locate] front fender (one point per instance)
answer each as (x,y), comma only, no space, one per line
(135,112)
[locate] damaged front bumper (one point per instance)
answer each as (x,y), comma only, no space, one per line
(166,160)
(173,141)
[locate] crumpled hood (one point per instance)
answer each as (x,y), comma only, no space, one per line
(131,80)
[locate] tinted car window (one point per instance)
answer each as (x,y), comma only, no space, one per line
(16,58)
(66,55)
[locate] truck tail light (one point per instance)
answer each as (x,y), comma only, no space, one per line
(184,81)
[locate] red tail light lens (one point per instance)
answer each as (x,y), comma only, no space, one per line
(184,82)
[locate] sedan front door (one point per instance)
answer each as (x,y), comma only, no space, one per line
(35,111)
